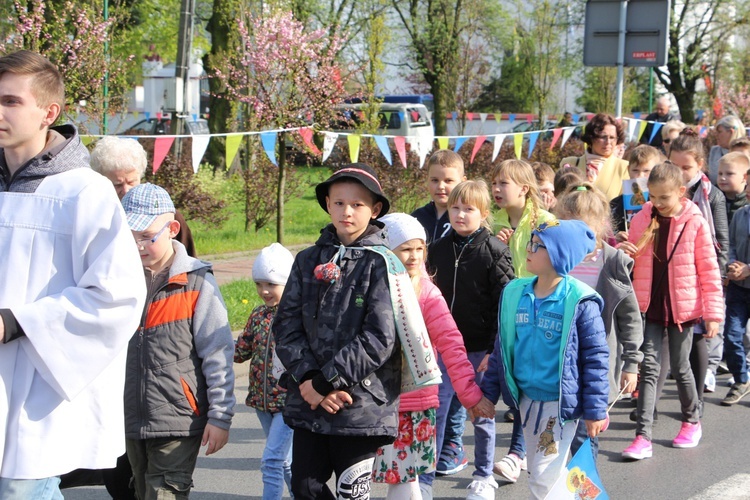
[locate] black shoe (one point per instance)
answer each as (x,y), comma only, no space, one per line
(508,416)
(634,415)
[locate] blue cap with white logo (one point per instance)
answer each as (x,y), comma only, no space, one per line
(144,203)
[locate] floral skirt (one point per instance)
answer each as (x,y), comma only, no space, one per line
(413,452)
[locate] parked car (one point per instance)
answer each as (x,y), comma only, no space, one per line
(408,120)
(162,126)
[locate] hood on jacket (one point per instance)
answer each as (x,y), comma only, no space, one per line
(64,151)
(689,209)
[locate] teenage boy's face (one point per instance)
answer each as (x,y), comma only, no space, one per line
(270,292)
(351,207)
(22,122)
(441,181)
(731,179)
(155,242)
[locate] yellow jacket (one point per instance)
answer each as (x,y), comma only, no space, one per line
(611,174)
(522,235)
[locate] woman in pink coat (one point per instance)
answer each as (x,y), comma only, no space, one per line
(677,282)
(413,453)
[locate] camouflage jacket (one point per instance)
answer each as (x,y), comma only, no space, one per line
(256,344)
(345,332)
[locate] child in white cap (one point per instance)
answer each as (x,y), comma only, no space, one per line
(256,343)
(413,453)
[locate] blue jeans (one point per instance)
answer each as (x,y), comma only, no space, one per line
(738,312)
(276,463)
(484,428)
(24,489)
(517,443)
(454,427)
(580,437)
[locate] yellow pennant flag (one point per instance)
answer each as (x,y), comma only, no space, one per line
(518,142)
(354,141)
(442,142)
(233,145)
(87,139)
(643,127)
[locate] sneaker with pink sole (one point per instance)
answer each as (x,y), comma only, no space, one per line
(689,435)
(639,449)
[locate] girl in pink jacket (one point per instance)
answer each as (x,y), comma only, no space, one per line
(413,453)
(677,282)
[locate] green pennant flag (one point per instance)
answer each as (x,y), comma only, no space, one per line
(233,145)
(354,141)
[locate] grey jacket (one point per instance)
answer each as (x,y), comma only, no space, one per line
(721,223)
(341,336)
(739,241)
(621,315)
(180,372)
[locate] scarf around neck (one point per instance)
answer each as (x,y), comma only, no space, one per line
(700,198)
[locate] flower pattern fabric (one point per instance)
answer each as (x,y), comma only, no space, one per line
(413,452)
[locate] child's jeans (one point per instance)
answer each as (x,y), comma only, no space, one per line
(680,343)
(24,489)
(738,312)
(276,463)
(455,425)
(484,428)
(548,443)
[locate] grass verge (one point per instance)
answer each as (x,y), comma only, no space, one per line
(241,298)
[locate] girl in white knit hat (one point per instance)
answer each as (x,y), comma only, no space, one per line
(270,272)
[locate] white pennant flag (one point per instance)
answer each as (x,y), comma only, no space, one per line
(632,123)
(328,142)
(424,146)
(483,116)
(567,132)
(498,144)
(200,144)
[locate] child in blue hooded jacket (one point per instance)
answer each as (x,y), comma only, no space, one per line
(551,358)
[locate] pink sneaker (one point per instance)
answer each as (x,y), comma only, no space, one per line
(689,435)
(639,449)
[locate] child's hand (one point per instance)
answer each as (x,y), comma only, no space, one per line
(594,427)
(628,247)
(215,438)
(548,200)
(310,395)
(335,401)
(628,381)
(484,409)
(483,365)
(737,271)
(621,236)
(712,328)
(505,234)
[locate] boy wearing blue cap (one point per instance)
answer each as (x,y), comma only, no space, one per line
(551,357)
(179,385)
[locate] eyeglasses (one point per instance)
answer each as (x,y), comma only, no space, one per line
(143,242)
(605,138)
(533,246)
(666,141)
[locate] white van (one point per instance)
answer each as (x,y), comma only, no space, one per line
(408,120)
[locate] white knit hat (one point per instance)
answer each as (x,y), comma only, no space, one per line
(273,265)
(402,228)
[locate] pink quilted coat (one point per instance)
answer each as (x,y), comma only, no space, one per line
(694,277)
(447,340)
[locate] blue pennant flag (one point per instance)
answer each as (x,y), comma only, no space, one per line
(579,479)
(268,139)
(637,115)
(700,114)
(532,141)
(147,114)
(575,118)
(459,142)
(382,143)
(654,130)
(454,115)
(511,117)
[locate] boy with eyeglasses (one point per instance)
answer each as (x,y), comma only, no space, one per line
(179,385)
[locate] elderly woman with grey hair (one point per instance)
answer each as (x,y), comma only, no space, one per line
(727,129)
(123,162)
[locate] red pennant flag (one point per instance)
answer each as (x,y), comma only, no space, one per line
(307,136)
(469,116)
(400,142)
(477,144)
(529,117)
(555,136)
(162,146)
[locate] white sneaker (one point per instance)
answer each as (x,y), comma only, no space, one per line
(509,468)
(710,381)
(482,488)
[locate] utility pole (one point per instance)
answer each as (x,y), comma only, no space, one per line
(182,67)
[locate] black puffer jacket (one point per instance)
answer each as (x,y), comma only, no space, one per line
(471,280)
(342,336)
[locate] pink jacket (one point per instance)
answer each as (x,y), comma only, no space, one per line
(447,340)
(694,276)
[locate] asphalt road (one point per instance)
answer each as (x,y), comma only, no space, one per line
(719,468)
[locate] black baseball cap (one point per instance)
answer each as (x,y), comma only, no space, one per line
(364,174)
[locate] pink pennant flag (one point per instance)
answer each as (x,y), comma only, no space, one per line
(400,142)
(556,133)
(161,148)
(469,116)
(307,136)
(477,144)
(158,115)
(529,117)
